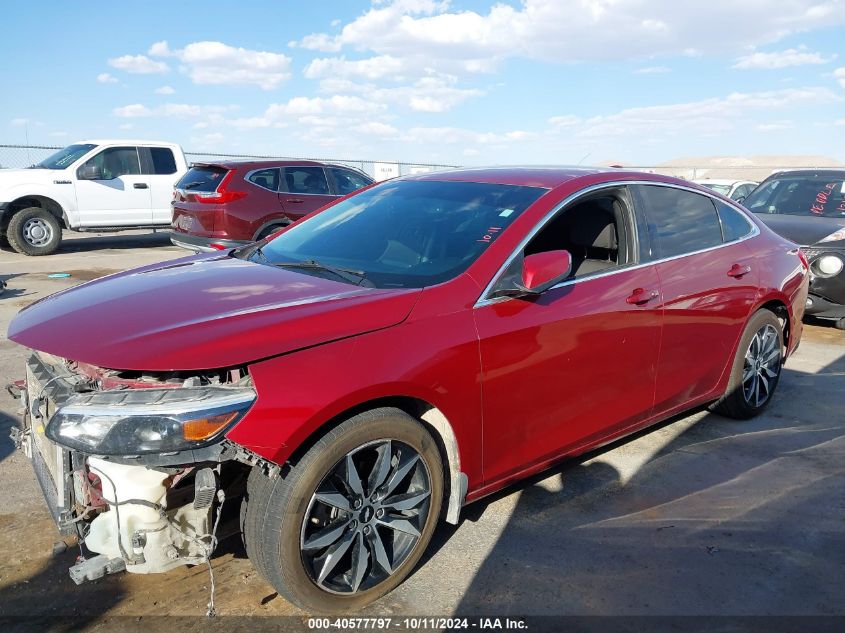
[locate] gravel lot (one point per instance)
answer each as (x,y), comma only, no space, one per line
(701,515)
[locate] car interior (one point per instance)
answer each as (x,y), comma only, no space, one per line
(593,231)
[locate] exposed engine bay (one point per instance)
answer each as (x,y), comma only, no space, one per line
(135,464)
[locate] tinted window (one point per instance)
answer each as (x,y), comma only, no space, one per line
(813,195)
(65,157)
(742,191)
(679,221)
(734,224)
(163,161)
(403,234)
(266,178)
(202,178)
(348,181)
(310,180)
(117,161)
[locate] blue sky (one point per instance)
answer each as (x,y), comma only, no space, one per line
(460,82)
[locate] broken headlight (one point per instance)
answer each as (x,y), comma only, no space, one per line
(137,421)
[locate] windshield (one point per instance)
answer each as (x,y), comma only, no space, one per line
(723,189)
(65,157)
(814,195)
(402,234)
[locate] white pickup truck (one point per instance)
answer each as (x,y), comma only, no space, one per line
(108,185)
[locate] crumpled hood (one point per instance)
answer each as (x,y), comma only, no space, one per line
(203,312)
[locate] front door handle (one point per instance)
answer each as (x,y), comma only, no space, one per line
(140,185)
(738,270)
(294,200)
(641,296)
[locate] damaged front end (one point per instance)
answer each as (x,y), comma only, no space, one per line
(136,465)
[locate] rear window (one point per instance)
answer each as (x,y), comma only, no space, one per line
(202,178)
(811,195)
(681,221)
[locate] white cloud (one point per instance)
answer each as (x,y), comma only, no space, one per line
(653,70)
(376,128)
(165,90)
(170,110)
(565,32)
(567,120)
(20,122)
(216,63)
(371,68)
(839,75)
(138,65)
(707,116)
(106,78)
(782,59)
(775,126)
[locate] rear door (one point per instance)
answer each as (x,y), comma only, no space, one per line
(119,195)
(303,190)
(159,165)
(709,281)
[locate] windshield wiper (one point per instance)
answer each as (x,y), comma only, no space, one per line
(195,184)
(352,276)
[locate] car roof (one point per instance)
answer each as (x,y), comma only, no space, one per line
(265,162)
(529,176)
(837,172)
(720,181)
(125,141)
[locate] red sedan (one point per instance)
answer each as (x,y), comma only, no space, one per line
(379,364)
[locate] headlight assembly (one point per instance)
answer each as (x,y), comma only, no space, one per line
(138,421)
(827,265)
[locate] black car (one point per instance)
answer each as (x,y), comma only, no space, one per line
(808,207)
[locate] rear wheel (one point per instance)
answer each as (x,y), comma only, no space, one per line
(351,519)
(756,369)
(840,324)
(34,231)
(268,231)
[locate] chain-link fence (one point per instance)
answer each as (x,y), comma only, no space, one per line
(16,156)
(26,155)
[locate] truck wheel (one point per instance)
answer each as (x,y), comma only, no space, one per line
(34,231)
(839,324)
(756,368)
(350,520)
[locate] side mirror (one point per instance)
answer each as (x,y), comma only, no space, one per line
(89,172)
(541,271)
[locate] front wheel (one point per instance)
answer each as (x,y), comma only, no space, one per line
(34,231)
(351,519)
(755,372)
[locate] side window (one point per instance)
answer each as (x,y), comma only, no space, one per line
(115,162)
(163,162)
(679,221)
(347,181)
(594,231)
(734,225)
(311,180)
(266,178)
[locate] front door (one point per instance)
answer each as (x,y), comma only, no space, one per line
(120,194)
(577,363)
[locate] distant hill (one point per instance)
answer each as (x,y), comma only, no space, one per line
(738,167)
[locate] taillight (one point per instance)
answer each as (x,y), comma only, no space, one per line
(217,246)
(221,195)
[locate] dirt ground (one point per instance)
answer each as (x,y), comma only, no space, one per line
(699,516)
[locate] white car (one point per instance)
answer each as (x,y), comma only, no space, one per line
(734,189)
(106,185)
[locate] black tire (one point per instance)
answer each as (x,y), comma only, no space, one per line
(742,400)
(839,324)
(267,231)
(34,231)
(276,531)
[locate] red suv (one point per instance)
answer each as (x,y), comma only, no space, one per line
(379,364)
(226,204)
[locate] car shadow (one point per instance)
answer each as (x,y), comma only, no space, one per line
(88,242)
(7,447)
(709,524)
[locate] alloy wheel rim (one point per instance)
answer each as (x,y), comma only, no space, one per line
(365,517)
(37,232)
(761,367)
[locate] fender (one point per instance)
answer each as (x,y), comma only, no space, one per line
(64,195)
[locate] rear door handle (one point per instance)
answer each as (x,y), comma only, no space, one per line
(294,200)
(140,185)
(738,270)
(640,296)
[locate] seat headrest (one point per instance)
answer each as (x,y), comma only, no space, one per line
(595,229)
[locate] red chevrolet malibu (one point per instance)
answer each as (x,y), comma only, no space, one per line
(369,370)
